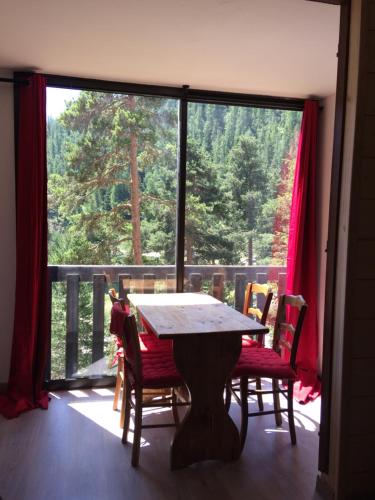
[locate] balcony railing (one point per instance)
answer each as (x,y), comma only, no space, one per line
(226,283)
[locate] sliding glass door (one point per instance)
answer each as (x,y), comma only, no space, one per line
(112,168)
(239,177)
(150,194)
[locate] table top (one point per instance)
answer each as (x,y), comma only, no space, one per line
(173,315)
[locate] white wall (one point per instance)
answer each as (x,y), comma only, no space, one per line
(7,227)
(323,185)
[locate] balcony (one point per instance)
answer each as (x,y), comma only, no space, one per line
(91,359)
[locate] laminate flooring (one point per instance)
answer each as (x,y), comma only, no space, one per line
(73,451)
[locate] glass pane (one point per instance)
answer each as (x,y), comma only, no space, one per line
(240,167)
(111,204)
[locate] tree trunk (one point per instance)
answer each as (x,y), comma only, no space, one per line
(189,249)
(250,252)
(135,195)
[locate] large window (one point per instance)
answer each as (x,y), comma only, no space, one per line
(117,163)
(112,179)
(240,169)
(112,163)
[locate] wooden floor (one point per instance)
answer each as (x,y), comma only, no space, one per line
(73,451)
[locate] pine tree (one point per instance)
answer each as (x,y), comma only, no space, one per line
(116,139)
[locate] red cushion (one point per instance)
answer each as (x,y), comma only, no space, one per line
(159,344)
(249,342)
(148,341)
(118,316)
(159,370)
(262,362)
(147,326)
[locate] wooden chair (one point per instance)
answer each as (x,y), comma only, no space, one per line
(147,342)
(263,362)
(259,311)
(256,304)
(120,375)
(145,371)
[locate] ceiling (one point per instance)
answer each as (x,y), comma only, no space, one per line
(274,47)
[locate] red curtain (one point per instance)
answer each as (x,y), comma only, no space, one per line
(31,326)
(301,260)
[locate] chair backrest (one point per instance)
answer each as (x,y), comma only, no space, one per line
(132,349)
(263,295)
(114,299)
(288,325)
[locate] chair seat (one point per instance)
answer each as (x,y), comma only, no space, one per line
(263,362)
(159,370)
(150,338)
(249,342)
(148,341)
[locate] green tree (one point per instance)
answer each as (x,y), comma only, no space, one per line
(207,238)
(246,182)
(116,139)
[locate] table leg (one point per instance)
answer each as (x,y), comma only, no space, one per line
(207,431)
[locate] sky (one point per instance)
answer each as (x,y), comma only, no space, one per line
(56,99)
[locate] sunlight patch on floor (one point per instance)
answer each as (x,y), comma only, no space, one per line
(53,395)
(103,392)
(102,414)
(277,429)
(78,394)
(306,416)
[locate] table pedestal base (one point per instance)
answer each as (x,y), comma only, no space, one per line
(207,431)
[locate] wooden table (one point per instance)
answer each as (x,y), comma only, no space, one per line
(206,344)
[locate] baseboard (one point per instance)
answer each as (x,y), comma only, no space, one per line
(323,488)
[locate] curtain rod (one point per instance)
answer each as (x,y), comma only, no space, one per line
(15,82)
